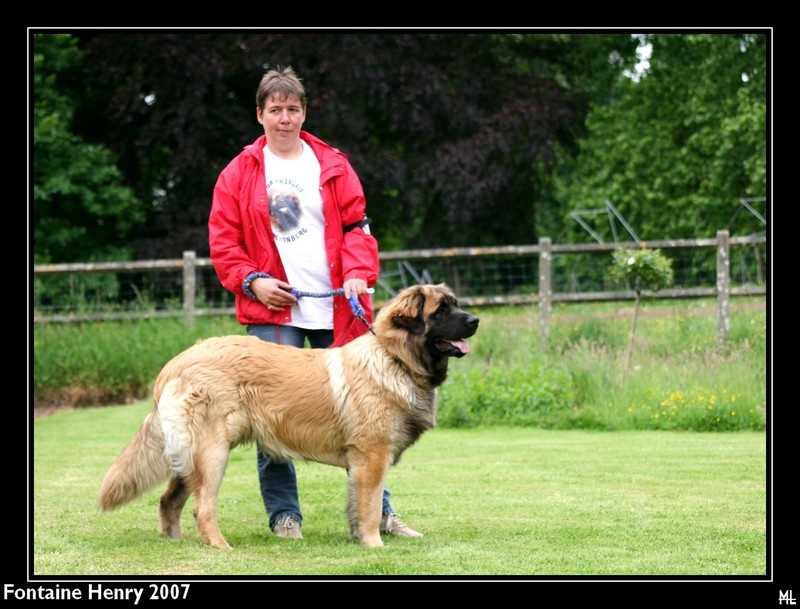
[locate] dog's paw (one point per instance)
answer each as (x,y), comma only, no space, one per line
(371,541)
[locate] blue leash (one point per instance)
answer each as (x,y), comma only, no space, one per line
(355,306)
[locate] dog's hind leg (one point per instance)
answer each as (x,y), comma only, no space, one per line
(364,499)
(209,469)
(171,506)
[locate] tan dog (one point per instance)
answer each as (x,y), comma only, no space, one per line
(358,406)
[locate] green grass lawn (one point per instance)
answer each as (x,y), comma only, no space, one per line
(507,502)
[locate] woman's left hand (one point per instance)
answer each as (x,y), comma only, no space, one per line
(354,286)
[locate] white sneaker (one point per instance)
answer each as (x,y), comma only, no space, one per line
(392,525)
(288,527)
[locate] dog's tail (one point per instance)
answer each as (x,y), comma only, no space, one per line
(140,467)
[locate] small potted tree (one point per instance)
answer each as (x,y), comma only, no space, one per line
(643,269)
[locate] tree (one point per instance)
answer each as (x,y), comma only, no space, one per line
(676,150)
(452,134)
(82,209)
(644,269)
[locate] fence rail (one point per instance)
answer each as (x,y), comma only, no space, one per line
(190,265)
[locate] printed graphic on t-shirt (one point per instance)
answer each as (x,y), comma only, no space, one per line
(285,211)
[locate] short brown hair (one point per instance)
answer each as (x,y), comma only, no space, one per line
(283,82)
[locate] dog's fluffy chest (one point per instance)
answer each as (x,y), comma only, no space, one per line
(364,376)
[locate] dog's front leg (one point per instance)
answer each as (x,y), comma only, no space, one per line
(209,467)
(365,496)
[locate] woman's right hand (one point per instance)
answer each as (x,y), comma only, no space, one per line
(273,293)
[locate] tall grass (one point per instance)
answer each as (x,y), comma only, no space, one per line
(680,380)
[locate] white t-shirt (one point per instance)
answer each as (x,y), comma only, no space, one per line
(298,226)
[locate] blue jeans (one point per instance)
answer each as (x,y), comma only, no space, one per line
(277,479)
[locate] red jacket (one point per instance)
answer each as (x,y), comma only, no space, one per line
(241,241)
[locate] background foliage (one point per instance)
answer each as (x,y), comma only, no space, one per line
(459,138)
(675,151)
(80,197)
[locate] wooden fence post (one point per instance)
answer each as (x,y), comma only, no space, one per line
(545,288)
(723,287)
(189,287)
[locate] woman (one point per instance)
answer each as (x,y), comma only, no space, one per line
(289,212)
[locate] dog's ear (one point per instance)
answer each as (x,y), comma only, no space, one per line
(408,311)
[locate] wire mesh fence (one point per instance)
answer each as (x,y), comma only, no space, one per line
(501,275)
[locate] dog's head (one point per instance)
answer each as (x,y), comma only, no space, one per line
(426,326)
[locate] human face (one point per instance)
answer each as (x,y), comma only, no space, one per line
(282,119)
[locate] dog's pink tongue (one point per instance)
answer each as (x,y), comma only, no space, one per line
(462,345)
